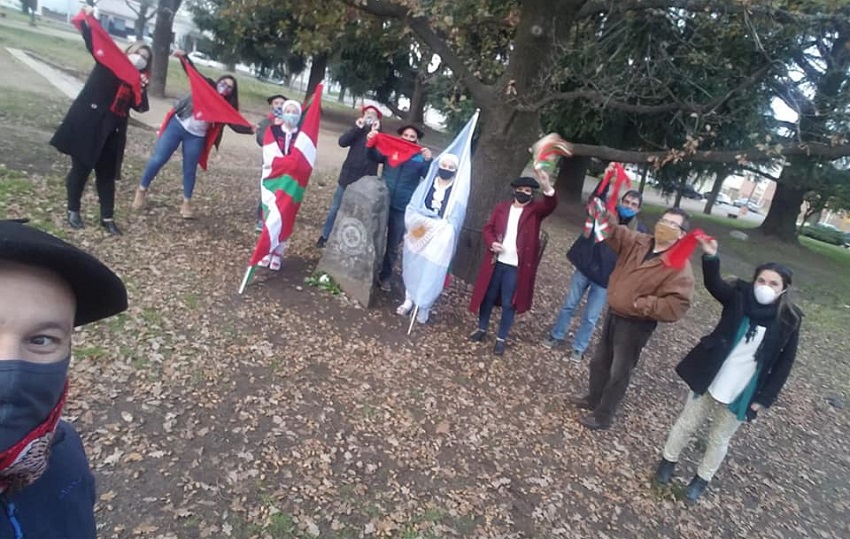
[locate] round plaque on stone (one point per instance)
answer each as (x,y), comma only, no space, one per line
(353,238)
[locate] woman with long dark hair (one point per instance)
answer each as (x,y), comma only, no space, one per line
(94,132)
(739,368)
(181,127)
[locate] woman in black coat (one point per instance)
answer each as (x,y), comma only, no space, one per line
(94,132)
(737,369)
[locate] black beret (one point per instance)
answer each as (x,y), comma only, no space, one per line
(525,181)
(419,132)
(99,292)
(271,98)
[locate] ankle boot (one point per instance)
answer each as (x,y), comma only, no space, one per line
(140,199)
(695,489)
(664,473)
(110,226)
(186,211)
(75,220)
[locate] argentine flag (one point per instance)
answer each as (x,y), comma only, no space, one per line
(431,240)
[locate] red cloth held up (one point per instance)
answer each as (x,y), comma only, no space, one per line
(109,55)
(395,149)
(207,104)
(676,256)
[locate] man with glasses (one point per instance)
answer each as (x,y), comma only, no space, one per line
(593,261)
(642,291)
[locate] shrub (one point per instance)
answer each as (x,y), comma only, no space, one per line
(824,234)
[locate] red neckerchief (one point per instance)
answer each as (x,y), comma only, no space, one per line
(207,104)
(24,462)
(396,150)
(107,53)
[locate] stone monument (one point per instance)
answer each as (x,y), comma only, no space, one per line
(355,250)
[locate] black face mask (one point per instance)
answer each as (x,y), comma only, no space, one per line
(445,173)
(521,197)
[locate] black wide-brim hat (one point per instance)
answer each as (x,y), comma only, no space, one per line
(99,292)
(419,133)
(525,181)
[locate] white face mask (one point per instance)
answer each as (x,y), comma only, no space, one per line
(765,294)
(137,60)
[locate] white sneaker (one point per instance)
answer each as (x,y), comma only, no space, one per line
(264,263)
(404,308)
(274,265)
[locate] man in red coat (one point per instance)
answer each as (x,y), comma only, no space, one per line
(512,235)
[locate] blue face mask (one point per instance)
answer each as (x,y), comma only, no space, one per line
(28,393)
(290,119)
(626,213)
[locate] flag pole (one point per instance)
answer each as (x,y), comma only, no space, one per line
(412,318)
(248,273)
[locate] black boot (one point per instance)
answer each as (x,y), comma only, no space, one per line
(110,226)
(695,489)
(75,220)
(582,403)
(664,473)
(321,242)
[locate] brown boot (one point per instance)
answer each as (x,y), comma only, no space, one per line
(186,210)
(140,200)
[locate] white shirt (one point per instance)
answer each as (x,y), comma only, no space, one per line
(193,126)
(439,195)
(509,255)
(738,369)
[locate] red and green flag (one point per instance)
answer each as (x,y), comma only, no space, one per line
(284,181)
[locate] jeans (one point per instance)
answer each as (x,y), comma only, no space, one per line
(502,285)
(615,358)
(596,297)
(395,233)
(336,202)
(166,145)
(724,424)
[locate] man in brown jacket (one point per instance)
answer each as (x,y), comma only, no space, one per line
(642,291)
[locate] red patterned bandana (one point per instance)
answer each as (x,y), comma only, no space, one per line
(26,461)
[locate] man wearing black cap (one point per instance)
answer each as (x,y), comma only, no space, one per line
(47,287)
(401,181)
(512,235)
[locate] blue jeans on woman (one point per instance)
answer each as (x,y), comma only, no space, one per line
(171,137)
(336,202)
(502,285)
(596,298)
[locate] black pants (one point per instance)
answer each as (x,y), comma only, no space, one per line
(614,360)
(105,170)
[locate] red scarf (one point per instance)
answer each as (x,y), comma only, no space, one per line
(107,54)
(207,104)
(23,463)
(675,257)
(593,222)
(396,150)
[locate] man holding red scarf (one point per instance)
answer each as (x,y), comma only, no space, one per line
(47,288)
(405,164)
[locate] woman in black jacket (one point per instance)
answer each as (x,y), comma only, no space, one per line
(94,132)
(737,369)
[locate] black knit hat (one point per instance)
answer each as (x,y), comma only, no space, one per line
(271,98)
(783,271)
(99,292)
(525,181)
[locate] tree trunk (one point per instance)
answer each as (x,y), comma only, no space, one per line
(162,39)
(781,219)
(416,112)
(141,21)
(571,177)
(712,197)
(317,72)
(643,173)
(341,97)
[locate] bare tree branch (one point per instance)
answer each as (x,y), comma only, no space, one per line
(421,27)
(607,153)
(760,172)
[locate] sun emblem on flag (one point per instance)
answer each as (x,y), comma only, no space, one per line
(99,52)
(198,114)
(395,156)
